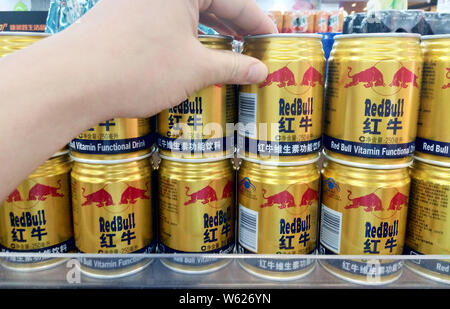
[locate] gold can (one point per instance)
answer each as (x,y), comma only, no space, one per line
(202,126)
(372,97)
(13,41)
(363,213)
(112,214)
(433,132)
(278,212)
(280,119)
(428,228)
(37,217)
(114,139)
(196,213)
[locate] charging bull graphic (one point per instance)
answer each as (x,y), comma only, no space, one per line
(283,199)
(14,197)
(311,77)
(398,201)
(41,192)
(448,77)
(205,195)
(132,194)
(228,190)
(284,77)
(101,198)
(309,196)
(371,202)
(402,77)
(371,77)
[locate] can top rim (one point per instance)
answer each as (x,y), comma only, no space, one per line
(216,36)
(368,166)
(18,33)
(436,36)
(283,35)
(377,35)
(199,160)
(432,162)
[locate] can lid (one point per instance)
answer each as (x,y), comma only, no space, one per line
(216,36)
(278,163)
(435,36)
(432,162)
(283,35)
(377,35)
(109,162)
(186,160)
(18,33)
(368,166)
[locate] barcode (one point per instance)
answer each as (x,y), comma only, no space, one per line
(247,114)
(330,228)
(248,228)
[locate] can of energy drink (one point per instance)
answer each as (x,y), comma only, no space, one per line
(278,211)
(433,132)
(428,228)
(112,214)
(196,213)
(114,139)
(363,213)
(202,126)
(372,98)
(280,119)
(12,41)
(37,216)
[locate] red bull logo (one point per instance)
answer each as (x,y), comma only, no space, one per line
(14,197)
(311,77)
(371,77)
(370,202)
(283,199)
(132,194)
(403,77)
(283,77)
(228,190)
(447,75)
(101,198)
(205,195)
(398,201)
(309,196)
(40,192)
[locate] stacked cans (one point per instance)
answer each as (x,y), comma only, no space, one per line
(112,196)
(372,105)
(428,218)
(36,217)
(196,175)
(279,138)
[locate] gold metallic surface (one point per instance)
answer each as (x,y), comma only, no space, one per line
(372,98)
(286,109)
(11,42)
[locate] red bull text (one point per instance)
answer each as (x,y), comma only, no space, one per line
(196,213)
(433,132)
(372,98)
(112,214)
(363,213)
(37,216)
(278,211)
(428,228)
(202,126)
(280,119)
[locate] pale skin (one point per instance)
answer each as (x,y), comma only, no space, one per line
(122,59)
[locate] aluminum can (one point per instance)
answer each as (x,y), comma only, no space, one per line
(363,213)
(428,228)
(202,126)
(196,213)
(280,119)
(37,217)
(372,98)
(278,212)
(114,139)
(13,41)
(277,18)
(112,214)
(322,21)
(433,132)
(290,22)
(306,21)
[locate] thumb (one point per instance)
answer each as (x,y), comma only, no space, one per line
(233,68)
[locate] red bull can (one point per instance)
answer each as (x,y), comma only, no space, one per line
(278,212)
(13,41)
(372,97)
(112,214)
(363,213)
(37,217)
(196,213)
(428,228)
(114,139)
(202,126)
(280,119)
(433,132)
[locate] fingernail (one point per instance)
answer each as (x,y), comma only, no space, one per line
(256,73)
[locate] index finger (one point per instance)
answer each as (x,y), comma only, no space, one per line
(243,16)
